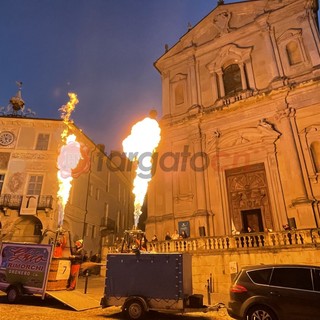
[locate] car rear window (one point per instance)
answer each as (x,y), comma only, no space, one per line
(261,276)
(299,278)
(316,279)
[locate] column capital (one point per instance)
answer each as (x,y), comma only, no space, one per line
(285,114)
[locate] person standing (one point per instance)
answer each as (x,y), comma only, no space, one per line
(60,244)
(167,237)
(183,234)
(76,260)
(175,235)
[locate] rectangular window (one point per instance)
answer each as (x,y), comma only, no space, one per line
(106,210)
(93,234)
(108,182)
(298,278)
(86,229)
(42,141)
(261,276)
(316,279)
(124,197)
(91,190)
(97,194)
(118,222)
(35,185)
(1,182)
(100,162)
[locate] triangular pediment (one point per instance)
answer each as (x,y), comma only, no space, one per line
(220,21)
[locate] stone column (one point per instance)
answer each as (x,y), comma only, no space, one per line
(198,83)
(251,79)
(193,81)
(220,79)
(197,163)
(299,190)
(165,94)
(272,52)
(243,77)
(214,86)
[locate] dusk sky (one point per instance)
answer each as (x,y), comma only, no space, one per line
(103,50)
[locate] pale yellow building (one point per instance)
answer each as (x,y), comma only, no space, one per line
(241,120)
(100,205)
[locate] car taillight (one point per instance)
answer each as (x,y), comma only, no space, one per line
(236,288)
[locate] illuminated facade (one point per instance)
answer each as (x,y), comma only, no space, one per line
(100,205)
(241,120)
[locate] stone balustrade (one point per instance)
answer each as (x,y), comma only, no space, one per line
(243,241)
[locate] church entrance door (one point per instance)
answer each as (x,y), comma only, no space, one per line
(253,219)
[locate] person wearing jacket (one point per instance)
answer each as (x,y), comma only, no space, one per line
(76,260)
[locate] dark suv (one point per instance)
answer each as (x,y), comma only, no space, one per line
(276,292)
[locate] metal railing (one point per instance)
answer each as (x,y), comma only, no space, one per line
(13,201)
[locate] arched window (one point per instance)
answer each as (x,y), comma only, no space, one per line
(315,151)
(293,52)
(232,79)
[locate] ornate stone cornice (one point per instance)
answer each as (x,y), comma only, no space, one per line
(37,166)
(29,156)
(165,217)
(201,213)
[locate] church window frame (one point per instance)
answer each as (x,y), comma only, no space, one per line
(179,96)
(42,141)
(310,138)
(292,51)
(232,81)
(35,184)
(224,57)
(315,155)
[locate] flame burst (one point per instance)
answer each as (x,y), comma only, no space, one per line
(68,158)
(139,147)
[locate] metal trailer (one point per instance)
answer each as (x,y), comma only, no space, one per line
(139,282)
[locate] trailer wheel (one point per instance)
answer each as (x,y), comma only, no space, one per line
(13,294)
(134,309)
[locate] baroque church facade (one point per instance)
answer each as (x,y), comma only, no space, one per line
(240,123)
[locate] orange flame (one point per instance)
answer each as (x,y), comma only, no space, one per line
(139,146)
(68,158)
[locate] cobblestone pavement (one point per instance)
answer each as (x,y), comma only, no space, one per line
(34,308)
